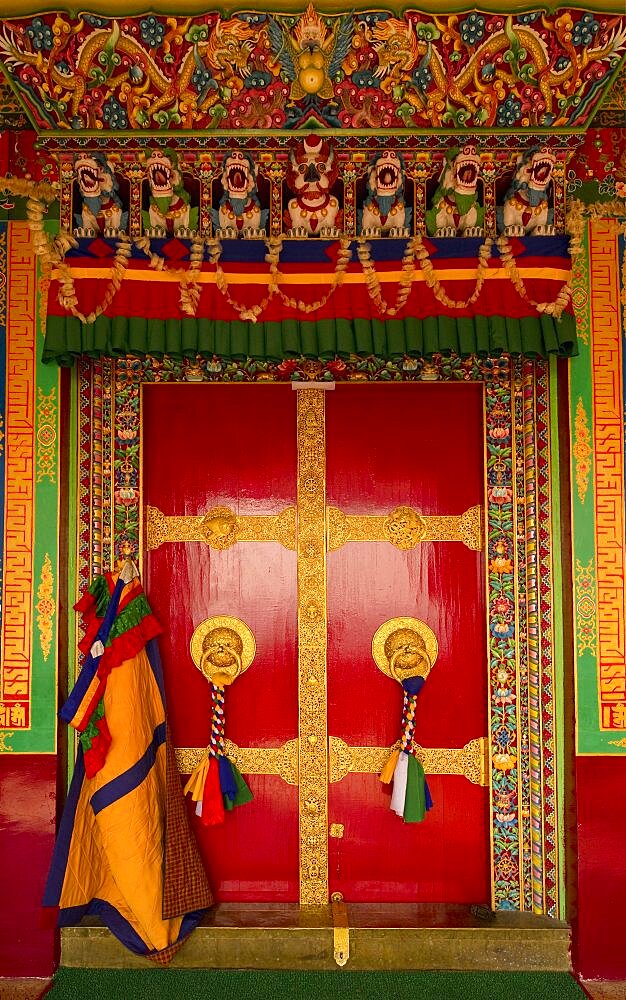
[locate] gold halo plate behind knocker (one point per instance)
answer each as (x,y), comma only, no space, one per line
(405,647)
(222,648)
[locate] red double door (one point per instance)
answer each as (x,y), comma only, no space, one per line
(386,446)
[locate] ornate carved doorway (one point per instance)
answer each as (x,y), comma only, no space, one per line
(314,517)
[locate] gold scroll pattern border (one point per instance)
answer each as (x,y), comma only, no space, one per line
(609,486)
(312,631)
(18,576)
(470,761)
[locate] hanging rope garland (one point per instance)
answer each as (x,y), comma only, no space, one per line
(221,647)
(406,650)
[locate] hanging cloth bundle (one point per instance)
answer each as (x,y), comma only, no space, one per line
(222,647)
(406,649)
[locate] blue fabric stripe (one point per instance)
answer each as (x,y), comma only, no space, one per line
(154,659)
(323,251)
(90,666)
(58,865)
(130,779)
(111,917)
(69,916)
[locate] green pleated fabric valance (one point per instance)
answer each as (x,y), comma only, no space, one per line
(532,336)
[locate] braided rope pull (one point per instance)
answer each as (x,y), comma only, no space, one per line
(216,743)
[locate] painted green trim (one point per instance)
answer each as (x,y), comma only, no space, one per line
(131,8)
(557,631)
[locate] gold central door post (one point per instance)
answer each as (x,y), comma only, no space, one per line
(311,555)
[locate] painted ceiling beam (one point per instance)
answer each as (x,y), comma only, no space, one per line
(130,8)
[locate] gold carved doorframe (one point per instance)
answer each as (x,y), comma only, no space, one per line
(525,867)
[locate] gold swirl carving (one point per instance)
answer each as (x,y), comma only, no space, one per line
(469,761)
(220,528)
(282,761)
(405,528)
(313,759)
(582,450)
(45,607)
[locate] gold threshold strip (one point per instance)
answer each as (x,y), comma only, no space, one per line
(470,761)
(404,528)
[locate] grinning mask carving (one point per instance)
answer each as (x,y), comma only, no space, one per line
(406,653)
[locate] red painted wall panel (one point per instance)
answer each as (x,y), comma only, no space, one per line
(600,923)
(27,826)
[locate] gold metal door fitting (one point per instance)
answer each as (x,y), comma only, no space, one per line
(341,930)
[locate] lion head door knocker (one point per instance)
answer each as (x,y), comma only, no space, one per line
(221,647)
(406,649)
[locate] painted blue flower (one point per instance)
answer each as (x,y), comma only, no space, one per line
(529,18)
(152,31)
(257,80)
(202,80)
(95,22)
(472,29)
(509,112)
(585,29)
(40,34)
(562,63)
(64,68)
(114,114)
(374,17)
(421,77)
(364,78)
(251,18)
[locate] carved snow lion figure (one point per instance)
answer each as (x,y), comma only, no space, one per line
(526,208)
(312,172)
(455,209)
(384,209)
(239,212)
(169,210)
(101,210)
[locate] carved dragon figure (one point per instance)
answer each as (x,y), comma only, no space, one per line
(169,209)
(239,212)
(526,208)
(455,209)
(384,209)
(101,209)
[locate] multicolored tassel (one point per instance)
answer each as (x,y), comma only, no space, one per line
(216,784)
(410,798)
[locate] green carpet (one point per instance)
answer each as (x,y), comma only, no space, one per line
(180,984)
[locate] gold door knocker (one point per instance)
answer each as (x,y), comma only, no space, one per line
(222,648)
(406,650)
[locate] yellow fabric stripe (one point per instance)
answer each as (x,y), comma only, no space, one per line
(311,278)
